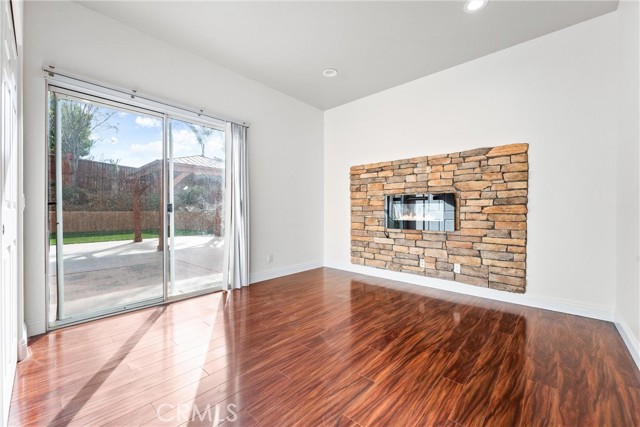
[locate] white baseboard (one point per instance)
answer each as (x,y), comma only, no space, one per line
(35,327)
(461,288)
(283,271)
(629,339)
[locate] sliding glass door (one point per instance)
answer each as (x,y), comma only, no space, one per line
(136,207)
(196,183)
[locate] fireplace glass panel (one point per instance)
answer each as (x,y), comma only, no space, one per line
(429,212)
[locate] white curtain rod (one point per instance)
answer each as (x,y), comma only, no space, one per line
(51,71)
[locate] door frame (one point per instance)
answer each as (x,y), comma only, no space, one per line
(108,97)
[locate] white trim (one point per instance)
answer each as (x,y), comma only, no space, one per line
(629,339)
(521,299)
(36,327)
(283,271)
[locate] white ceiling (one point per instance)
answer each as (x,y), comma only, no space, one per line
(375,45)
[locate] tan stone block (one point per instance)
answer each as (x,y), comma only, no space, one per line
(513,193)
(357,226)
(475,202)
(489,247)
(436,253)
(519,158)
(469,216)
(397,185)
(519,257)
(413,236)
(517,249)
(518,234)
(373,202)
(472,185)
(492,176)
(509,280)
(500,161)
(360,202)
(438,274)
(516,272)
(471,280)
(416,251)
(413,262)
(505,264)
(508,150)
(499,241)
(482,271)
(476,152)
(517,185)
(506,217)
(371,221)
(465,260)
(435,175)
(501,256)
(411,178)
(438,168)
(439,182)
(515,176)
(434,236)
(383,240)
(357,260)
(383,257)
(450,167)
(511,225)
(375,263)
(470,195)
(463,252)
(362,238)
(412,269)
(385,173)
(470,209)
(446,175)
(444,266)
(505,209)
(367,255)
(438,160)
(461,238)
(401,249)
(358,194)
(473,232)
(476,224)
(461,245)
(426,244)
(369,175)
(403,172)
(375,186)
(499,186)
(515,167)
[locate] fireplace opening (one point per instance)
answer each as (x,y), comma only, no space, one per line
(429,212)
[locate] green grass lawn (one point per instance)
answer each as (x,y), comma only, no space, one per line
(111,236)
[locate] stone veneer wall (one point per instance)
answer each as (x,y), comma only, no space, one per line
(491,185)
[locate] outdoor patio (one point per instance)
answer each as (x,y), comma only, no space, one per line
(106,275)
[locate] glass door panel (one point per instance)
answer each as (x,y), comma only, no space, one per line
(105,213)
(196,201)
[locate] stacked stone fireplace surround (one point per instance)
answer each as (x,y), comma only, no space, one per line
(489,241)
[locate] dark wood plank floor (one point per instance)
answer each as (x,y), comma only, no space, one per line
(331,348)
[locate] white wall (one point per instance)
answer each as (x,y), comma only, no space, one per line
(557,93)
(628,163)
(285,137)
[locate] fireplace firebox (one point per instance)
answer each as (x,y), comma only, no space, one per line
(429,212)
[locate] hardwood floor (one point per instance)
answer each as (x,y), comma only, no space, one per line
(331,348)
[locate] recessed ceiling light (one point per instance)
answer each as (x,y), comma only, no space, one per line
(330,72)
(474,5)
